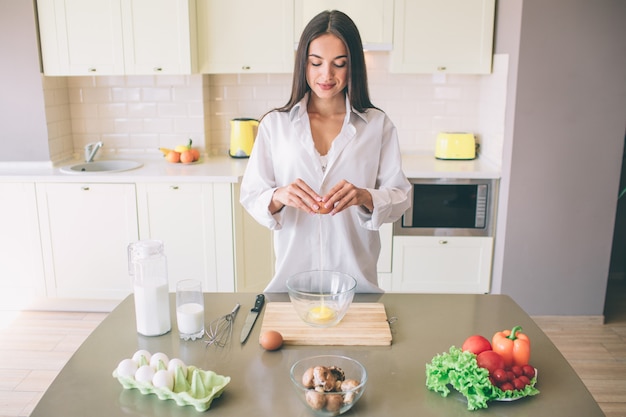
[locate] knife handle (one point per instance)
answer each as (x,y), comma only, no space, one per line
(258,303)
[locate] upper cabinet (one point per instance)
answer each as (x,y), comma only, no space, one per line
(245,36)
(443,36)
(374,18)
(159,36)
(114,37)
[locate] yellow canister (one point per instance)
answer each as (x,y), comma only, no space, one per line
(455,145)
(242,133)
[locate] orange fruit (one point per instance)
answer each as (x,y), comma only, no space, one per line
(186,157)
(195,153)
(173,157)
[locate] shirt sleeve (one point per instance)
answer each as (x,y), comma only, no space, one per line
(391,194)
(258,184)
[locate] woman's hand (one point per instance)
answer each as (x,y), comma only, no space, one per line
(344,195)
(297,194)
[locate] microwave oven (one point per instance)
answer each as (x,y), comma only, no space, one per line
(449,207)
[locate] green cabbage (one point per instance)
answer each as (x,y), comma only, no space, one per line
(460,370)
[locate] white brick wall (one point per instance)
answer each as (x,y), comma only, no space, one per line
(142,113)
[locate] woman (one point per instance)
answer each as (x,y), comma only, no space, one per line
(327,150)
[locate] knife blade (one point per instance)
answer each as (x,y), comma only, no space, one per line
(252,316)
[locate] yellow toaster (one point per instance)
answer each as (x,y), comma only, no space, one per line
(455,145)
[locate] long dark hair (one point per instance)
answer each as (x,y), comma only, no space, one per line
(340,25)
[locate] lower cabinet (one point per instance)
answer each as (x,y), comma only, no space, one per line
(441,264)
(85,232)
(21,265)
(195,223)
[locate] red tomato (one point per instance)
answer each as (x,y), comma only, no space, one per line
(476,344)
(500,376)
(490,360)
(529,371)
(507,386)
(518,384)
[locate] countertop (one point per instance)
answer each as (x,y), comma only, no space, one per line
(426,325)
(222,169)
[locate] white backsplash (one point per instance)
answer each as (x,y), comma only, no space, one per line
(143,113)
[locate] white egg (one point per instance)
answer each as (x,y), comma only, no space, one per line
(146,355)
(175,363)
(163,379)
(144,374)
(127,368)
(159,356)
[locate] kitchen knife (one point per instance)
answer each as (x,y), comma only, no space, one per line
(251,318)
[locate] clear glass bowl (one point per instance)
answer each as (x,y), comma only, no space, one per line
(321,298)
(331,403)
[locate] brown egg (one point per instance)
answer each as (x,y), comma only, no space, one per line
(324,210)
(271,340)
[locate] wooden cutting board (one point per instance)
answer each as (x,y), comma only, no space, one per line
(365,324)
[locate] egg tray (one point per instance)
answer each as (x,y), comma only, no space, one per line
(198,389)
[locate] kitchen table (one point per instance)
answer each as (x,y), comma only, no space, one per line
(427,324)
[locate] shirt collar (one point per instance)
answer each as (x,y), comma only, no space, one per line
(300,108)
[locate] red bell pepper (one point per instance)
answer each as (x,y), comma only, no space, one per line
(513,346)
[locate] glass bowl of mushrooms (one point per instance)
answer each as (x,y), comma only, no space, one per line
(321,298)
(328,385)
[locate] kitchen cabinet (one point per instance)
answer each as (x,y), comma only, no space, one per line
(21,265)
(443,36)
(194,220)
(85,231)
(111,37)
(254,250)
(159,36)
(384,266)
(442,264)
(374,18)
(244,36)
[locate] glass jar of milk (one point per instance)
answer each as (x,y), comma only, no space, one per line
(147,265)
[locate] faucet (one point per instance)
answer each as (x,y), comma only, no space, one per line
(91,149)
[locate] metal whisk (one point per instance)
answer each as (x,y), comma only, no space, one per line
(220,329)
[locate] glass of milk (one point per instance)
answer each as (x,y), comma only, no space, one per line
(190,309)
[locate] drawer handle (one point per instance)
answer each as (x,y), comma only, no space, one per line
(158,69)
(443,242)
(174,187)
(245,67)
(84,188)
(91,69)
(441,68)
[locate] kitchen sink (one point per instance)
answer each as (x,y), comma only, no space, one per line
(105,166)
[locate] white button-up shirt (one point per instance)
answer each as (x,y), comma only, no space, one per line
(366,153)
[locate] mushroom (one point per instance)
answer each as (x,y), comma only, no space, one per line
(307,378)
(333,402)
(315,399)
(324,379)
(338,373)
(349,385)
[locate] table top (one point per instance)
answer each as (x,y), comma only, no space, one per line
(427,324)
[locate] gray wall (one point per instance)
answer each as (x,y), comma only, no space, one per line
(565,126)
(23,130)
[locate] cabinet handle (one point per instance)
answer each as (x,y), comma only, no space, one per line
(173,187)
(84,188)
(441,68)
(443,242)
(245,67)
(157,69)
(91,69)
